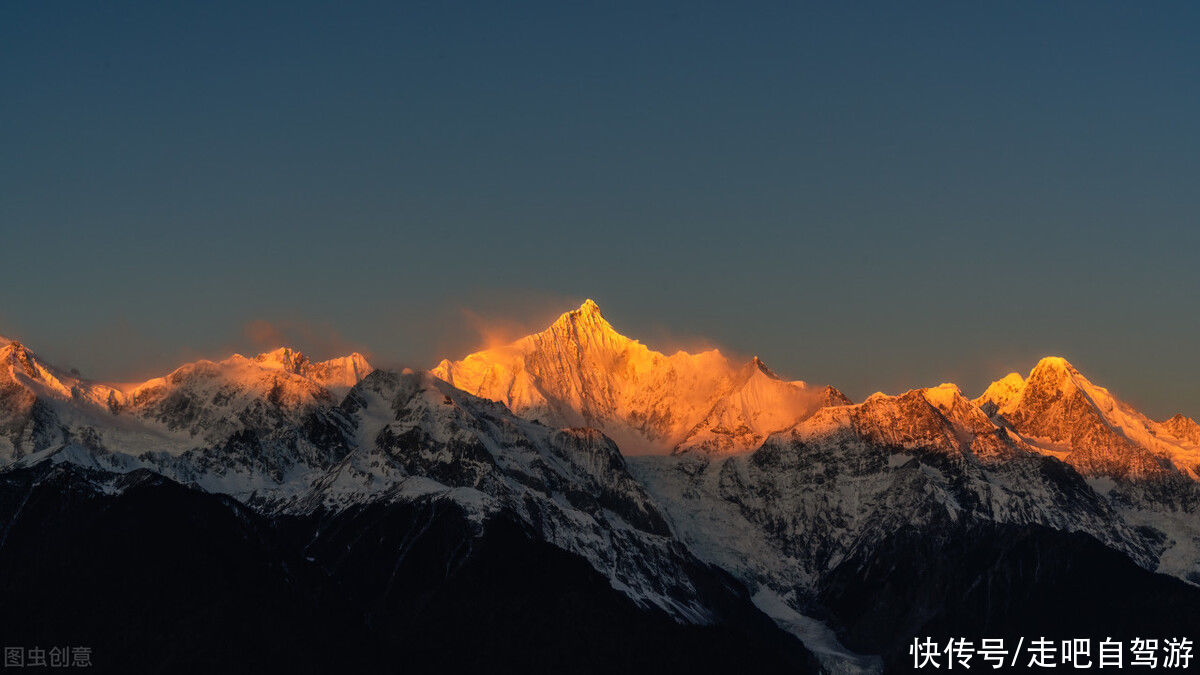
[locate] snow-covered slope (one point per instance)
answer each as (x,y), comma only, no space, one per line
(758,404)
(841,484)
(212,399)
(336,375)
(581,372)
(849,476)
(414,436)
(1146,469)
(236,407)
(34,397)
(402,438)
(20,367)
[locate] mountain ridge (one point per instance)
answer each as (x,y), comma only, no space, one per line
(197,403)
(1062,413)
(581,371)
(776,483)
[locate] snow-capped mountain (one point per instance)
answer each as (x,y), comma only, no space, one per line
(1060,412)
(844,477)
(827,482)
(460,469)
(268,431)
(414,437)
(258,416)
(31,394)
(1148,470)
(750,495)
(582,372)
(211,399)
(848,477)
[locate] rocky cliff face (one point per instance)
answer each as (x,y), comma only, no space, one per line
(1061,412)
(1185,429)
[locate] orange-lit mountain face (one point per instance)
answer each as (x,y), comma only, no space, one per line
(1183,428)
(1061,413)
(582,372)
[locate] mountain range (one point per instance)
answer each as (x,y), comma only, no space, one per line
(576,492)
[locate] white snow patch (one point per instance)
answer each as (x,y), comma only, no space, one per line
(819,638)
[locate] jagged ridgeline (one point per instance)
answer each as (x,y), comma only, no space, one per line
(535,505)
(582,372)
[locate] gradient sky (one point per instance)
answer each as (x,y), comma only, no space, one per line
(876,195)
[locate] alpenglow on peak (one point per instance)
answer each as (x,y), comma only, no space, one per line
(581,372)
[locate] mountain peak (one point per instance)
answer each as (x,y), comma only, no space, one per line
(588,312)
(1183,427)
(589,306)
(581,372)
(19,362)
(283,358)
(586,325)
(18,355)
(1003,392)
(1013,379)
(943,392)
(1053,364)
(756,365)
(832,396)
(1057,407)
(1056,374)
(1052,373)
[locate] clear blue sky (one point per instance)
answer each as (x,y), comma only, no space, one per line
(876,195)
